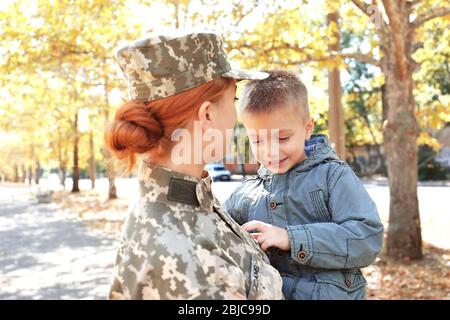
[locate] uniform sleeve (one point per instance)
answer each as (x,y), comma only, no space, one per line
(354,236)
(170,265)
(202,275)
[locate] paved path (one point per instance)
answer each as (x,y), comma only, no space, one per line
(48,254)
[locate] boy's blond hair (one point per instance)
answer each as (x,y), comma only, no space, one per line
(281,88)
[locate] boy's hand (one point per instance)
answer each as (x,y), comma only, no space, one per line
(268,235)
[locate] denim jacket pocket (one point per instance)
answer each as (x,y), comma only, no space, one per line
(320,207)
(339,285)
(242,210)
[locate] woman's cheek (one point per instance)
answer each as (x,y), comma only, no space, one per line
(227,141)
(230,122)
(233,115)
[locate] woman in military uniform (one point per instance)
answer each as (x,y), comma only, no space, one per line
(178,242)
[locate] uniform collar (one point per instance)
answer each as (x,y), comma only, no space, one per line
(169,186)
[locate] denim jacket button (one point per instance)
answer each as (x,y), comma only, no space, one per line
(301,255)
(348,282)
(272,205)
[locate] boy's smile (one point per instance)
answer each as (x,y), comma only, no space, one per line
(278,163)
(277,138)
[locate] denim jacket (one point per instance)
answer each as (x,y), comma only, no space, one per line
(332,223)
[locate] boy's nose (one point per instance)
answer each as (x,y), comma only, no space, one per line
(272,151)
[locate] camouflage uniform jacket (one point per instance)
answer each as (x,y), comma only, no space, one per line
(179,243)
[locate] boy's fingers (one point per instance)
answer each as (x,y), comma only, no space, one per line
(266,244)
(251,223)
(261,240)
(255,235)
(254,225)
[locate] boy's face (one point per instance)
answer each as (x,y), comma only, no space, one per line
(278,138)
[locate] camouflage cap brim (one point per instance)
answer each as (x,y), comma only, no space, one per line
(240,74)
(159,67)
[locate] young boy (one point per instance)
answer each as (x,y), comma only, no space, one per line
(306,208)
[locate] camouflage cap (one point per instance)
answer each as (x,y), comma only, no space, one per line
(158,67)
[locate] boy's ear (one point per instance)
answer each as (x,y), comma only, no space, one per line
(204,114)
(309,128)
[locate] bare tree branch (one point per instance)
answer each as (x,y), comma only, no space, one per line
(242,15)
(396,33)
(429,15)
(278,47)
(366,58)
(309,56)
(363,7)
(373,12)
(412,4)
(357,56)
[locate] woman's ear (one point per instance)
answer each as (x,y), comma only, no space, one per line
(309,128)
(204,115)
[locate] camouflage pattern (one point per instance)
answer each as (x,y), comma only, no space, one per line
(158,67)
(179,243)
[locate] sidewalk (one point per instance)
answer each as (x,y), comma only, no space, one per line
(45,253)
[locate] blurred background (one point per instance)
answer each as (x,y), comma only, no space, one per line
(378,75)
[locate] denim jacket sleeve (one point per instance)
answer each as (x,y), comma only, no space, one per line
(354,236)
(232,208)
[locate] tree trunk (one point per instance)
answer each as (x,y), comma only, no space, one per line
(30,174)
(62,176)
(177,14)
(37,172)
(24,173)
(375,142)
(16,173)
(92,169)
(384,103)
(335,112)
(112,192)
(400,135)
(62,162)
(76,170)
(384,111)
